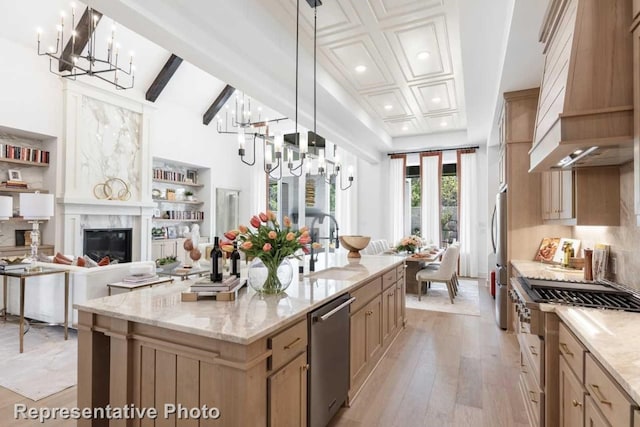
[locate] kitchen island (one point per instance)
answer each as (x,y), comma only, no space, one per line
(244,361)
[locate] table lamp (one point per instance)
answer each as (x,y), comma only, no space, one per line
(35,208)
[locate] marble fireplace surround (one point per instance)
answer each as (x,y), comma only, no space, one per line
(105,135)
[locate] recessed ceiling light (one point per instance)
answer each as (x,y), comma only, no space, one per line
(424,55)
(361,69)
(405,128)
(443,123)
(388,107)
(436,99)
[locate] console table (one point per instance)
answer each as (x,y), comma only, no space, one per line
(132,286)
(23,275)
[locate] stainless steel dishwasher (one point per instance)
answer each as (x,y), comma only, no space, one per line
(328,360)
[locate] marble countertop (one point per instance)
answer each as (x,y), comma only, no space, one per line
(251,316)
(538,270)
(612,337)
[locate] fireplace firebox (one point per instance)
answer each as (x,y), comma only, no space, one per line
(112,242)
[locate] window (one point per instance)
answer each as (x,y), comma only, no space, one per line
(449,203)
(413,180)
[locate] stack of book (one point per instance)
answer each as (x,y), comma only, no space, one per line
(205,285)
(4,266)
(14,184)
(140,278)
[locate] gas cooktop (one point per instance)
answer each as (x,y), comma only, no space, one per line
(601,294)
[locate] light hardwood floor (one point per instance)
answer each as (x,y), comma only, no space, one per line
(443,370)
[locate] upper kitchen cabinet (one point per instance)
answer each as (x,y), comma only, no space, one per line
(584,196)
(585,110)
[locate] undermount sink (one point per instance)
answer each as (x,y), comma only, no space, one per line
(334,273)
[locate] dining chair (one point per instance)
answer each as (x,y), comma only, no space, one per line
(445,273)
(434,265)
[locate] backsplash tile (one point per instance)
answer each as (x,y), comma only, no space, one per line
(624,240)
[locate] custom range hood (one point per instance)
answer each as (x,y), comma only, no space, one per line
(585,109)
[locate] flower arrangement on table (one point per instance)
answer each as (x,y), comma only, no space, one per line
(409,244)
(271,243)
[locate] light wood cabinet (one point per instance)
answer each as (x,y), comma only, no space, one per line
(377,316)
(287,394)
(389,317)
(588,395)
(557,195)
(571,397)
(593,417)
(585,196)
(366,341)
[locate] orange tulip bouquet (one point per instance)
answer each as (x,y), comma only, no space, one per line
(269,242)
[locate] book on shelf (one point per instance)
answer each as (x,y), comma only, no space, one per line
(140,278)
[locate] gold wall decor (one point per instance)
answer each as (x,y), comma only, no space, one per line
(112,189)
(310,193)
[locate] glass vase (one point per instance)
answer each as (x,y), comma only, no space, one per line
(270,277)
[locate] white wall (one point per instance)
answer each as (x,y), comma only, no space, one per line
(32,101)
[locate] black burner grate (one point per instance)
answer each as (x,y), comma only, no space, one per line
(586,298)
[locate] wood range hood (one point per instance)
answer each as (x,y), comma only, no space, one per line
(585,109)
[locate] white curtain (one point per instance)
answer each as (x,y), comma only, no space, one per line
(468,204)
(259,190)
(430,198)
(396,198)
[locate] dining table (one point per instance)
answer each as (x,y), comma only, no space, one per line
(416,262)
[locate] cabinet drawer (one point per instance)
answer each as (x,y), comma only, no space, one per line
(611,401)
(533,399)
(400,272)
(532,346)
(388,278)
(572,350)
(366,293)
(287,344)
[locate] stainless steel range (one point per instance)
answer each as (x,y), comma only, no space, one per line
(528,293)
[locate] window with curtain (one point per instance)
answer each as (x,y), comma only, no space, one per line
(449,204)
(397,171)
(468,201)
(413,179)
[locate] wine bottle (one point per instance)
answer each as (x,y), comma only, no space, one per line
(216,261)
(235,261)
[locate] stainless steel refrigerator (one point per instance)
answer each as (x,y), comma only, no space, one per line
(499,241)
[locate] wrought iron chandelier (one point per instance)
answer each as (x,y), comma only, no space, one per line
(71,63)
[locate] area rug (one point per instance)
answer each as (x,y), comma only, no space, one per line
(437,299)
(48,364)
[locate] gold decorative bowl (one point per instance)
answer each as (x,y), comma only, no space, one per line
(355,244)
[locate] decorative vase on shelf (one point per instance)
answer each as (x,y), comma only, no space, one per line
(270,277)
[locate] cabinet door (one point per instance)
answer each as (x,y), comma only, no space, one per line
(183,256)
(389,318)
(358,344)
(546,195)
(287,394)
(555,200)
(400,303)
(157,250)
(592,416)
(374,328)
(566,195)
(571,397)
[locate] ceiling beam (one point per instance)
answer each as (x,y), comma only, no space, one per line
(83,33)
(217,104)
(163,78)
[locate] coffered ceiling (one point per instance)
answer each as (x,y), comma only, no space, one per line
(398,58)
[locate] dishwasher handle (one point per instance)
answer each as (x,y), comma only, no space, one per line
(326,316)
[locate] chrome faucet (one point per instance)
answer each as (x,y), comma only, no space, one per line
(320,218)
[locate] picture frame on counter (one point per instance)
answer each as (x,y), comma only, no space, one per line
(14,175)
